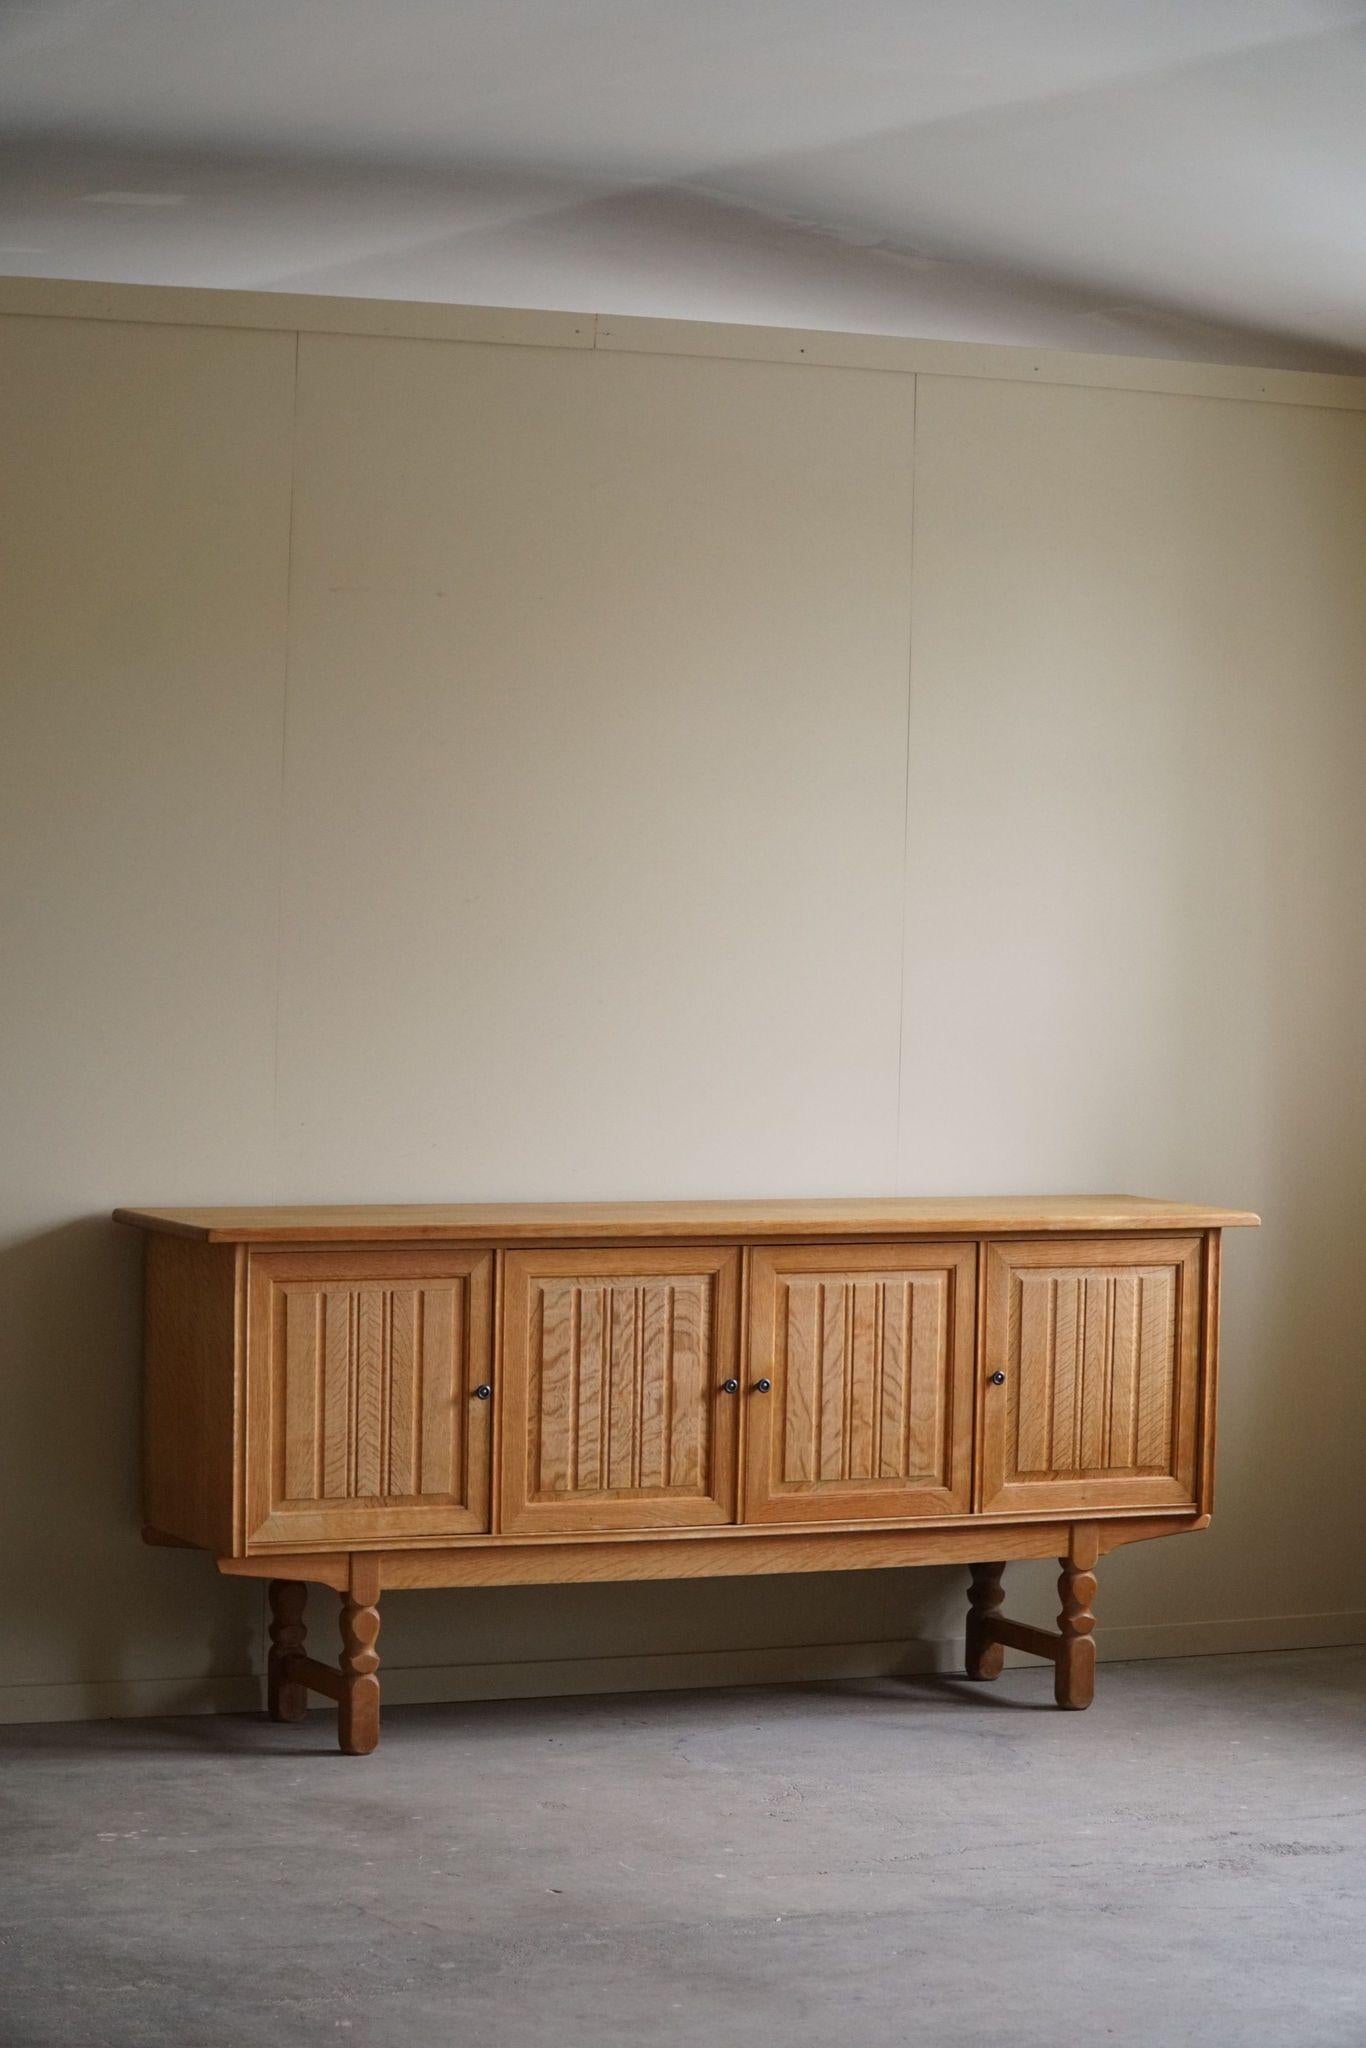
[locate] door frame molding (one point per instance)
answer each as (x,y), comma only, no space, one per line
(1095,1492)
(607,1512)
(267,1518)
(767,1500)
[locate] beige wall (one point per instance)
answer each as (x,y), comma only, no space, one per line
(445,767)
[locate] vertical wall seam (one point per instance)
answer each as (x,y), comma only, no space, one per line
(906,797)
(263,1614)
(281,822)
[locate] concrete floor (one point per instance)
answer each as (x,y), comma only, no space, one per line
(861,1866)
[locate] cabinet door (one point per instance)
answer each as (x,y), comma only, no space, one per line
(362,1418)
(614,1409)
(869,1353)
(1099,1344)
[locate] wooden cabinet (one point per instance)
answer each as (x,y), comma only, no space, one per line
(618,1389)
(672,1390)
(859,1382)
(368,1395)
(1092,1381)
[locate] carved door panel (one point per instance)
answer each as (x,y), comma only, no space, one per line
(1099,1347)
(868,1352)
(615,1409)
(364,1419)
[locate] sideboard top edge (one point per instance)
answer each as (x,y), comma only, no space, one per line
(609,1222)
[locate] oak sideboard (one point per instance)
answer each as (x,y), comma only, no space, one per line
(499,1395)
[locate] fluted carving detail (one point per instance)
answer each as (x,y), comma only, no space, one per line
(986,1594)
(287,1698)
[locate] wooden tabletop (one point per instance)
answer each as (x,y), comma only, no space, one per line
(603,1222)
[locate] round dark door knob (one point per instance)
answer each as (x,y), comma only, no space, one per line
(482,1393)
(998,1379)
(762,1386)
(730,1386)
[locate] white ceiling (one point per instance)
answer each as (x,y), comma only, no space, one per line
(1181,177)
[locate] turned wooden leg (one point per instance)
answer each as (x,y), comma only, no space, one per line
(984,1658)
(286,1698)
(358,1707)
(1074,1682)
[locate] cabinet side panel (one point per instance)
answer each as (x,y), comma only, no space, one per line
(1209,1369)
(190,1391)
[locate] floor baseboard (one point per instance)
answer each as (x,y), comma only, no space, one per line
(118,1699)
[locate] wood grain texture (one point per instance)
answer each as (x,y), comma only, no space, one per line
(983,1654)
(192,1391)
(663,1222)
(1070,1650)
(358,1706)
(1074,1678)
(613,1414)
(870,1359)
(286,1695)
(362,1413)
(1209,1368)
(328,1679)
(629,1376)
(1098,1345)
(700,1553)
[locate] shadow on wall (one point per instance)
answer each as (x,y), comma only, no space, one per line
(92,1612)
